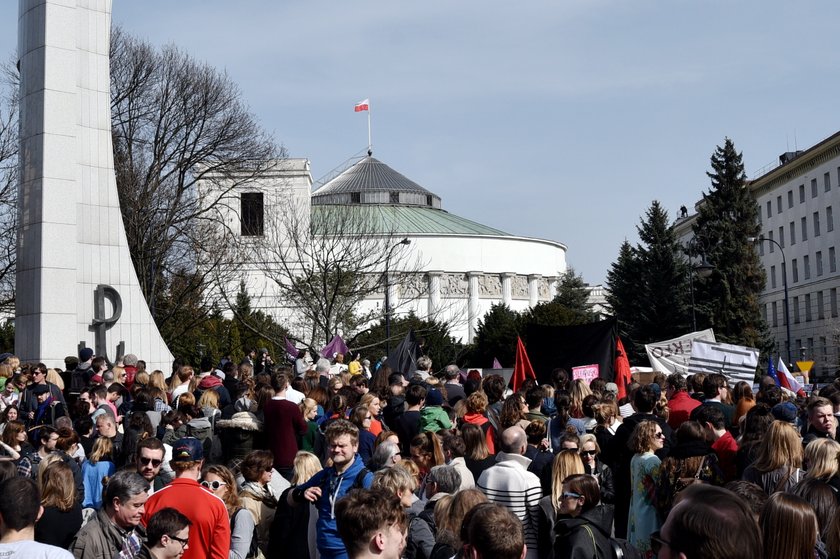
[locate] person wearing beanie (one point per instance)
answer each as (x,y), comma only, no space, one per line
(433,417)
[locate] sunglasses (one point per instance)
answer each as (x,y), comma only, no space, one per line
(214,485)
(656,542)
(153,461)
(571,496)
(588,452)
(660,435)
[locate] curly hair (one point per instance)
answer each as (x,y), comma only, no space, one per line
(643,437)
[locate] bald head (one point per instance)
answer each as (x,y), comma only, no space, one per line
(514,440)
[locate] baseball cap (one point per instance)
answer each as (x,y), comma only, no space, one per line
(187,449)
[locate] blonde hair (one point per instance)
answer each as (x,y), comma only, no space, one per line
(306,465)
(780,447)
(642,439)
(578,391)
(102,448)
(157,380)
(822,456)
(6,370)
(411,467)
(53,377)
(396,479)
(57,486)
(185,399)
(209,399)
(307,405)
(566,463)
(369,397)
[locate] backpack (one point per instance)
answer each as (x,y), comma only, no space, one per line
(77,381)
(254,551)
(619,548)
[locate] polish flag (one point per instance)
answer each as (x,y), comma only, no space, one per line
(787,380)
(362,106)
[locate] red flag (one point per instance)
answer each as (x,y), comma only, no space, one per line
(362,106)
(522,369)
(622,369)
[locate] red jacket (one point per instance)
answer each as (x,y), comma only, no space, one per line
(210,529)
(726,449)
(680,406)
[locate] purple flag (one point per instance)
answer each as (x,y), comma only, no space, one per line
(496,364)
(336,345)
(291,350)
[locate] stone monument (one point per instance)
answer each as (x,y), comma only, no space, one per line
(76,283)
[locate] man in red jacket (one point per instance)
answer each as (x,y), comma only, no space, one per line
(210,530)
(680,403)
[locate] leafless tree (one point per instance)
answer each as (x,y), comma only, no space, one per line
(8,186)
(177,122)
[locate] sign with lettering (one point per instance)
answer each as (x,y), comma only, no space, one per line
(672,356)
(586,372)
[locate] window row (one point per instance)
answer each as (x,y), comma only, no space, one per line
(805,308)
(791,237)
(826,183)
(819,268)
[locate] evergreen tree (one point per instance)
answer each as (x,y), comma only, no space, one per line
(573,293)
(664,309)
(623,281)
(728,216)
(496,337)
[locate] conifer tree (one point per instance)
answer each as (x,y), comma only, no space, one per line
(623,297)
(727,218)
(573,294)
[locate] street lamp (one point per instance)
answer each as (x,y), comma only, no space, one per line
(387,298)
(703,271)
(784,283)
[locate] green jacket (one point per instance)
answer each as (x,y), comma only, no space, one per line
(434,418)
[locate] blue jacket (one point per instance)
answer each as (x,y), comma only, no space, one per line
(333,487)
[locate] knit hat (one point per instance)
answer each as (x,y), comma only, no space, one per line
(85,354)
(40,389)
(786,411)
(434,397)
(188,449)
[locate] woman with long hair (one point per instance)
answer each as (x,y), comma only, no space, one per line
(14,443)
(62,516)
(584,526)
(451,518)
(578,391)
(514,409)
(566,463)
(427,452)
(560,424)
(754,427)
(180,383)
(744,400)
(476,410)
(361,418)
(789,527)
(690,461)
(292,532)
(374,404)
(220,481)
(643,518)
(98,466)
(821,460)
(478,457)
(256,493)
(778,459)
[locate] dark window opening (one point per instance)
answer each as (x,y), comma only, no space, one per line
(394,197)
(355,197)
(429,200)
(253,219)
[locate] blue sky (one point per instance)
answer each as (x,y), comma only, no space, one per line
(553,119)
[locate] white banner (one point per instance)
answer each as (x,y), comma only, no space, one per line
(672,356)
(734,361)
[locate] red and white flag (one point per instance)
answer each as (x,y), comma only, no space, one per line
(362,106)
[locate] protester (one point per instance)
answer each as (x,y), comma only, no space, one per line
(589,455)
(680,404)
(821,420)
(220,481)
(583,530)
(372,524)
(292,532)
(643,518)
(778,460)
(20,508)
(491,531)
(789,528)
(256,493)
(62,516)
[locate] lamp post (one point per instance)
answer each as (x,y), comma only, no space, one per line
(387,298)
(784,284)
(703,270)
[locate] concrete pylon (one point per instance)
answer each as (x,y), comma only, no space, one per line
(76,283)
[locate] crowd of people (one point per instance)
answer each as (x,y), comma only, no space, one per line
(322,459)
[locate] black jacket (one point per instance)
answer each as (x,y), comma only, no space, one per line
(604,475)
(586,536)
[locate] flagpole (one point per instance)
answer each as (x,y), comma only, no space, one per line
(370,146)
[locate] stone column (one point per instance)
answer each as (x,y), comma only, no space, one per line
(472,304)
(507,290)
(553,284)
(534,289)
(434,293)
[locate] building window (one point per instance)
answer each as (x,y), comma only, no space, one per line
(796,311)
(832,260)
(824,347)
(795,271)
(764,312)
(813,188)
(772,245)
(827,181)
(819,263)
(782,236)
(252,215)
(807,307)
(804,229)
(816,224)
(773,277)
(355,197)
(820,305)
(832,300)
(775,309)
(801,193)
(829,219)
(806,266)
(769,209)
(394,197)
(784,273)
(792,233)
(779,204)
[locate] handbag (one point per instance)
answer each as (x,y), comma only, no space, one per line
(684,482)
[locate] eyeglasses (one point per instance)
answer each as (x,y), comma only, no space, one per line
(181,541)
(656,542)
(588,452)
(571,448)
(214,485)
(660,435)
(153,461)
(571,496)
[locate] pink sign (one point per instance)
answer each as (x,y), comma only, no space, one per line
(586,372)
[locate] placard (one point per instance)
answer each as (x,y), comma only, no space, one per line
(585,372)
